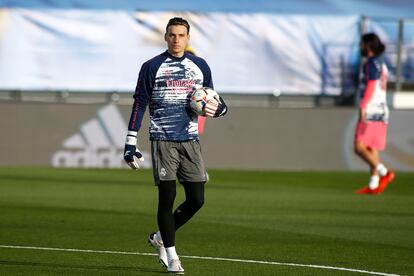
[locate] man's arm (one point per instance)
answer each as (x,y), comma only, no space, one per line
(214,108)
(369,92)
(373,74)
(141,99)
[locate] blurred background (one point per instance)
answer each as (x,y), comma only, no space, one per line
(289,71)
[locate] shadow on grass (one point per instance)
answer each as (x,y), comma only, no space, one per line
(93,269)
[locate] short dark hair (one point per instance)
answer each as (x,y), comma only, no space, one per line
(373,42)
(178,21)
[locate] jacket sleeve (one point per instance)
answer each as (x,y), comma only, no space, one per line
(368,93)
(373,74)
(142,96)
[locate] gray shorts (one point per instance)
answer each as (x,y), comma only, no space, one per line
(182,160)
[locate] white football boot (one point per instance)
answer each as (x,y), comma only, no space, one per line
(175,267)
(158,245)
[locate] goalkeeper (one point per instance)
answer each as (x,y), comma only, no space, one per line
(165,83)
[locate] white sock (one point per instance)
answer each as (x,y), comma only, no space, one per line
(381,169)
(171,253)
(373,182)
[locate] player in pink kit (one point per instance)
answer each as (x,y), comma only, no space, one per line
(371,130)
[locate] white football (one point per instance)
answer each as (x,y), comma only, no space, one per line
(199,99)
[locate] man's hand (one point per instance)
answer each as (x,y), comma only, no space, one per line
(131,152)
(211,108)
(216,96)
(215,107)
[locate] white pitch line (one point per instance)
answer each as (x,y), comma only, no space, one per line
(196,257)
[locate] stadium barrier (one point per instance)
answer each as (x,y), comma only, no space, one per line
(249,137)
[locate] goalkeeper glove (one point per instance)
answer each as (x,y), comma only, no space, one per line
(211,108)
(212,104)
(131,152)
(215,107)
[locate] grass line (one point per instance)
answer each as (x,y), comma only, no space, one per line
(196,257)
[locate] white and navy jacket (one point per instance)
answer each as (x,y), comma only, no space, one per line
(164,84)
(374,88)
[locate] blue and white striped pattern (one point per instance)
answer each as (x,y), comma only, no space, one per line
(165,84)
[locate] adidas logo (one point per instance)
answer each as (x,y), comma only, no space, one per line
(99,143)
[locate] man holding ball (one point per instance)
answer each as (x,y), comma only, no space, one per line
(164,84)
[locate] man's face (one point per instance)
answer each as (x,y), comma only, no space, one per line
(177,39)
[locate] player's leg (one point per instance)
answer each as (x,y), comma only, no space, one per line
(386,175)
(375,177)
(192,175)
(166,224)
(380,175)
(165,163)
(194,200)
(366,154)
(165,217)
(362,144)
(370,138)
(370,157)
(191,171)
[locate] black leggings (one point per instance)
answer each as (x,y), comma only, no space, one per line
(169,222)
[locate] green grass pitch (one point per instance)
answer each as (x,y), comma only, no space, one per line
(310,218)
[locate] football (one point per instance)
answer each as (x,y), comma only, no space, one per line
(199,99)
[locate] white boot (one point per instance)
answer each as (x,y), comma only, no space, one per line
(174,266)
(158,245)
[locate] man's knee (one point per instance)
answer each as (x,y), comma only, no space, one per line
(359,148)
(195,194)
(197,202)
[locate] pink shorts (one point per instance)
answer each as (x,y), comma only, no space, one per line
(372,134)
